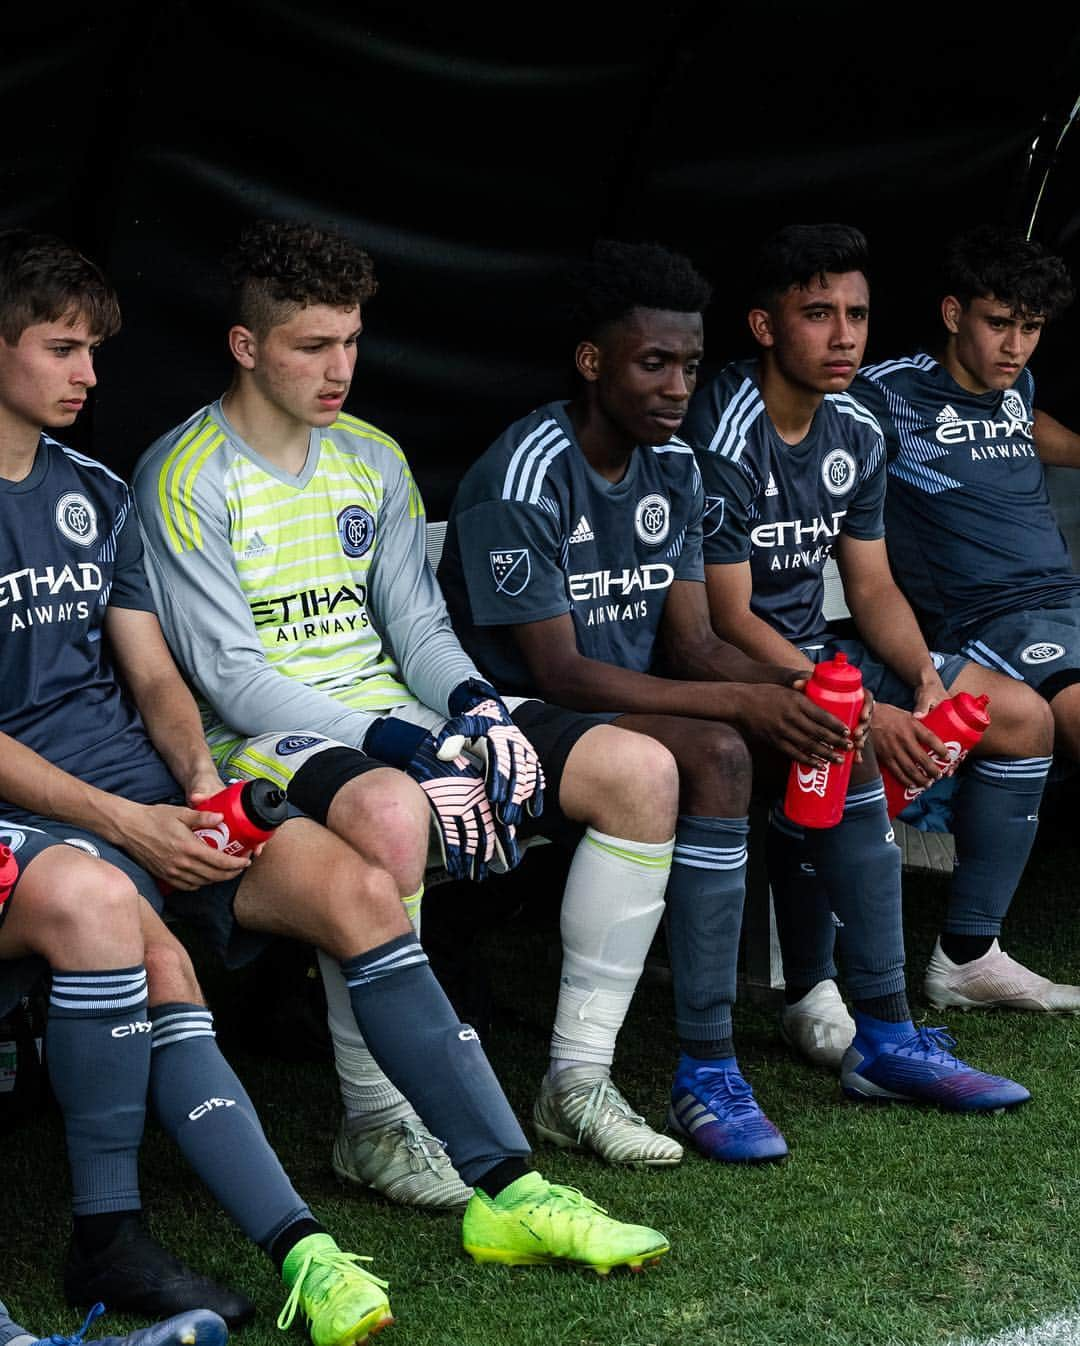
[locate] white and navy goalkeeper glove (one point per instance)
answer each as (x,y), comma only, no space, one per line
(464,822)
(513,776)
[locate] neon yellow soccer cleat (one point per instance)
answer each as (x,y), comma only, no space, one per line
(342,1302)
(533,1222)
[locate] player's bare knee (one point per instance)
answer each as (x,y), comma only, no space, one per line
(384,816)
(1021,722)
(716,771)
(85,911)
(622,783)
(170,975)
(361,906)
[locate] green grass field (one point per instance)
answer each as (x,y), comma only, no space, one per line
(886,1225)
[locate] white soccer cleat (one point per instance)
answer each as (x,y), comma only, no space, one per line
(819,1026)
(994,981)
(402,1161)
(583,1110)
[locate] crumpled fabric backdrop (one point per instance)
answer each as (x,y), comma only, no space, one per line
(476,153)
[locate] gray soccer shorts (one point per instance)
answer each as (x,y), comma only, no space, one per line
(877,677)
(1040,647)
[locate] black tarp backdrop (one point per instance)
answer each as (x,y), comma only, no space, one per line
(476,153)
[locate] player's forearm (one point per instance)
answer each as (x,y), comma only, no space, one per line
(715,660)
(1058,446)
(757,639)
(887,625)
(31,782)
(174,726)
(589,684)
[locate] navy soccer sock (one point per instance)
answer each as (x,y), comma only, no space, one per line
(98,1049)
(805,928)
(995,818)
(705,896)
(435,1060)
(859,867)
(203,1106)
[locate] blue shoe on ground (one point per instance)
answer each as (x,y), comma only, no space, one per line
(196,1327)
(714,1108)
(921,1069)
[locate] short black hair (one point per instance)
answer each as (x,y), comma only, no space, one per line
(277,268)
(797,253)
(44,279)
(998,261)
(620,277)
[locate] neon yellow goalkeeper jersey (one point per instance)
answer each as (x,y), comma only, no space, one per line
(294,603)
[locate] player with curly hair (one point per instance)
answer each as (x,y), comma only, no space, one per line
(975,546)
(287,546)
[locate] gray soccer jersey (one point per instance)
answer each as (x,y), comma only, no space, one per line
(535,532)
(782,506)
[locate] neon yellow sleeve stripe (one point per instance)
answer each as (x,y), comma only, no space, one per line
(176,484)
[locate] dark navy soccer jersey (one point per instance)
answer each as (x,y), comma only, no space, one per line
(971,532)
(535,532)
(69,547)
(782,506)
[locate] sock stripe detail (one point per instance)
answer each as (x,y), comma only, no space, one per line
(180,1025)
(710,857)
(865,795)
(410,955)
(98,992)
(1012,768)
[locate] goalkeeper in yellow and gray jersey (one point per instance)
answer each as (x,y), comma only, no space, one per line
(286,548)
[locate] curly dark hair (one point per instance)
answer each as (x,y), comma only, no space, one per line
(797,253)
(44,279)
(999,262)
(619,277)
(277,268)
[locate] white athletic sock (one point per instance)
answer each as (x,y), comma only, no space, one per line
(612,904)
(369,1098)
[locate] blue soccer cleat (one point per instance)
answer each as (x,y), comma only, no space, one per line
(921,1069)
(714,1108)
(196,1327)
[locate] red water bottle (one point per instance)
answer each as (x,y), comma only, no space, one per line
(9,872)
(959,722)
(815,794)
(251,811)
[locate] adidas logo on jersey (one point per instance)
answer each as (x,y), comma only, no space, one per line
(771,488)
(947,413)
(582,531)
(256,547)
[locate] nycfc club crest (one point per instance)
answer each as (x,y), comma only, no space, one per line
(838,472)
(511,569)
(652,519)
(1042,653)
(712,520)
(356,529)
(1012,404)
(285,747)
(76,518)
